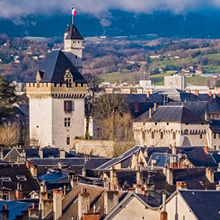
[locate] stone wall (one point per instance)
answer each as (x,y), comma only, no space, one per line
(99,147)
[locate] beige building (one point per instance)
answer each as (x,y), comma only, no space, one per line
(172,125)
(56,98)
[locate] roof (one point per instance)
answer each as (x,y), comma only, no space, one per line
(196,155)
(13,171)
(203,203)
(215,126)
(119,159)
(54,67)
(168,113)
(73,33)
(15,208)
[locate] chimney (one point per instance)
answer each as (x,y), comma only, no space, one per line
(168,172)
(173,162)
(28,164)
(155,106)
(206,116)
(62,153)
(218,167)
(113,178)
(1,154)
(18,192)
(93,216)
(150,112)
(210,93)
(83,202)
(209,174)
(206,149)
(33,170)
(73,180)
(41,153)
(163,214)
(181,185)
(139,176)
(148,94)
(110,200)
(84,172)
(214,96)
(4,213)
(23,154)
(57,204)
(174,150)
(153,163)
(196,92)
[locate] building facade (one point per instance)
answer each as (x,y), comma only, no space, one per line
(56,97)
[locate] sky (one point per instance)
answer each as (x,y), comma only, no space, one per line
(21,8)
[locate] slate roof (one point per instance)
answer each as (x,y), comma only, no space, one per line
(204,204)
(169,113)
(54,68)
(196,155)
(73,33)
(12,171)
(119,159)
(15,208)
(215,126)
(70,202)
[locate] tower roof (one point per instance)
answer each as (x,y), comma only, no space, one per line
(54,67)
(73,33)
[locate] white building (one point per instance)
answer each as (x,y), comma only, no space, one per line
(175,82)
(56,96)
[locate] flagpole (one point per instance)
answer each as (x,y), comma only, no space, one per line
(72,18)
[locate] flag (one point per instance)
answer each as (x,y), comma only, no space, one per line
(74,11)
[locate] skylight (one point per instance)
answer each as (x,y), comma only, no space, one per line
(21,177)
(6,179)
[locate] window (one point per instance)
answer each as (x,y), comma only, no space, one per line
(186,132)
(167,123)
(174,136)
(21,177)
(214,135)
(143,135)
(68,140)
(6,179)
(214,147)
(69,106)
(200,136)
(67,122)
(152,135)
(161,135)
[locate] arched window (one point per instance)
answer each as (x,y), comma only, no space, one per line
(161,135)
(186,132)
(174,135)
(143,135)
(152,135)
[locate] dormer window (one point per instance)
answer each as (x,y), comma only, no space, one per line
(6,179)
(68,78)
(21,178)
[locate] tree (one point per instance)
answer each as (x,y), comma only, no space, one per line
(93,84)
(110,112)
(7,97)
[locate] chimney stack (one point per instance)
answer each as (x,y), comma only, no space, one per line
(33,170)
(209,174)
(83,202)
(196,92)
(113,178)
(168,172)
(163,214)
(214,96)
(206,149)
(139,176)
(148,94)
(110,200)
(181,185)
(150,112)
(210,93)
(155,106)
(57,204)
(62,154)
(41,153)
(18,192)
(4,213)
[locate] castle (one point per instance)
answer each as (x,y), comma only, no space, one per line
(56,95)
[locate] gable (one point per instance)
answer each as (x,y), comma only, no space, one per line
(13,156)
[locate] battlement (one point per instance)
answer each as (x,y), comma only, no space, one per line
(56,88)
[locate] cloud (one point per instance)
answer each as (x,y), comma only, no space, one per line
(22,8)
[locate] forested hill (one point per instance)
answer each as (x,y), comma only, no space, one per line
(119,23)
